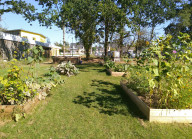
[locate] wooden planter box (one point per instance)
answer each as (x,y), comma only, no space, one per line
(59,59)
(117,74)
(6,111)
(159,115)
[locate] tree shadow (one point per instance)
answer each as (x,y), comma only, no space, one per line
(89,67)
(109,99)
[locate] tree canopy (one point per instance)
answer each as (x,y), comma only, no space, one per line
(98,20)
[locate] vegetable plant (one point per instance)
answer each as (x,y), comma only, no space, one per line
(14,90)
(67,69)
(168,71)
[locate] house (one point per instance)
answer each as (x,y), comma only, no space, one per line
(113,47)
(27,34)
(55,50)
(76,48)
(10,43)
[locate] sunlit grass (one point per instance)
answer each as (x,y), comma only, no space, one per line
(89,105)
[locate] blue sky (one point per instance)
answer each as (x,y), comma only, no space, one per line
(13,21)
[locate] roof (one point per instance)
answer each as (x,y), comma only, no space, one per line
(76,46)
(113,45)
(26,31)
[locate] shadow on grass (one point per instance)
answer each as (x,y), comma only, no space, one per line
(90,66)
(109,99)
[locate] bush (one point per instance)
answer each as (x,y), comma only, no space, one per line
(167,72)
(116,67)
(109,64)
(14,90)
(67,69)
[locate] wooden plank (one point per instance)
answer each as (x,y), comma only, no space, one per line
(160,115)
(140,104)
(116,74)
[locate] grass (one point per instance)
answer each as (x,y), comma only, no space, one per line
(89,105)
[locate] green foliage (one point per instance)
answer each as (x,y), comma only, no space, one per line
(116,67)
(67,69)
(35,58)
(14,90)
(53,76)
(168,71)
(36,55)
(84,21)
(18,7)
(109,64)
(137,80)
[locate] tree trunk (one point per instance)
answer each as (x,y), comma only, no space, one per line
(152,32)
(63,40)
(121,38)
(87,54)
(87,47)
(106,37)
(121,42)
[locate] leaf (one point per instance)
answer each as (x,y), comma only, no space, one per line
(30,60)
(175,92)
(35,51)
(156,72)
(151,83)
(155,61)
(17,117)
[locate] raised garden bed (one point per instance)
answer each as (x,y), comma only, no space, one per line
(159,115)
(6,111)
(60,59)
(117,74)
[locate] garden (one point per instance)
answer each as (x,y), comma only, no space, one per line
(145,92)
(83,101)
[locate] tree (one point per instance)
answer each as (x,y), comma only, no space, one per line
(145,13)
(54,12)
(108,15)
(182,20)
(61,45)
(18,7)
(83,21)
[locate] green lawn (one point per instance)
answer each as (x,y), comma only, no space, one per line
(89,105)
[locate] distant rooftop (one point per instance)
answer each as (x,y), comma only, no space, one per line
(24,31)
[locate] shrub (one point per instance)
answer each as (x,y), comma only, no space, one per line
(14,90)
(116,67)
(109,64)
(67,69)
(168,72)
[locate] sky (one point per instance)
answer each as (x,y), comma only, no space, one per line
(12,21)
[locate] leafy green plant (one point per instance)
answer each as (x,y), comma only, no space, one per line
(109,64)
(137,80)
(121,68)
(116,67)
(14,90)
(67,69)
(169,72)
(52,75)
(36,57)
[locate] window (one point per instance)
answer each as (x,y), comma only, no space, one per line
(25,37)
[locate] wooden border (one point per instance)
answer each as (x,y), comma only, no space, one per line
(116,74)
(6,111)
(159,115)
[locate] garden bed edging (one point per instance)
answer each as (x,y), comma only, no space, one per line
(6,111)
(116,74)
(159,115)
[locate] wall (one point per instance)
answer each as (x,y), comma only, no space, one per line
(13,49)
(10,43)
(31,36)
